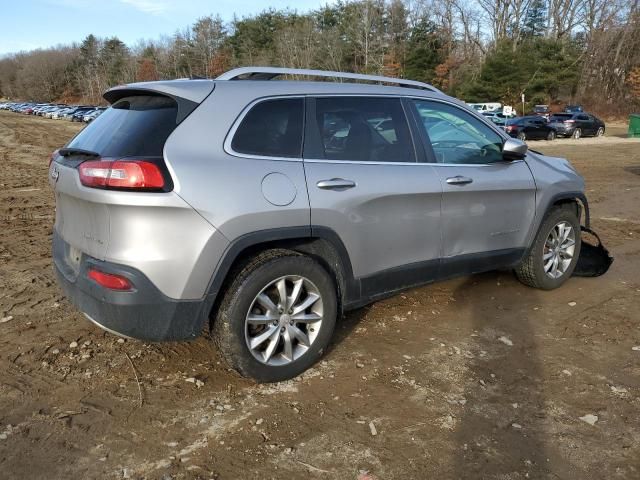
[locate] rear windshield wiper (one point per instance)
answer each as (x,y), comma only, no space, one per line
(65,152)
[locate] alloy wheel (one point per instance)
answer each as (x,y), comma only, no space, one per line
(558,250)
(284,320)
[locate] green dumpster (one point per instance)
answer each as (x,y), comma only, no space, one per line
(634,125)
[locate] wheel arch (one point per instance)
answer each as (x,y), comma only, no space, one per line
(579,198)
(320,243)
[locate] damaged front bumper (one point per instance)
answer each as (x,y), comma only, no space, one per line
(594,259)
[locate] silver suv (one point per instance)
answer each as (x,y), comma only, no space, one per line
(262,210)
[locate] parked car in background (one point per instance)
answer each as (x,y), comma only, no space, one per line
(498,118)
(47,110)
(66,115)
(52,110)
(38,109)
(79,114)
(486,107)
(532,127)
(59,114)
(92,115)
(577,125)
(573,109)
(542,111)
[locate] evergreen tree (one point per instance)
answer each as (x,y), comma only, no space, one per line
(424,51)
(535,20)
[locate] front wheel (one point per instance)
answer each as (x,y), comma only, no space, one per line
(555,250)
(600,132)
(277,316)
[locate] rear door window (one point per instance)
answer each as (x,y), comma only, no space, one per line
(135,126)
(272,128)
(367,129)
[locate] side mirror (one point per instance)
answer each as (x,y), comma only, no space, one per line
(514,149)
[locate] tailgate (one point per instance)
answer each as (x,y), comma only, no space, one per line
(81,222)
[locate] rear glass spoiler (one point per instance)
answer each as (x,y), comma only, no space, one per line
(188,94)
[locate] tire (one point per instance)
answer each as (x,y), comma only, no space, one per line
(522,136)
(531,270)
(232,329)
(551,136)
(577,133)
(600,132)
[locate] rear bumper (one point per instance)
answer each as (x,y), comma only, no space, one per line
(144,313)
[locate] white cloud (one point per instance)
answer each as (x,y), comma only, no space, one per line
(154,7)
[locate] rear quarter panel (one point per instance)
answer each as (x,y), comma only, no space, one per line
(227,190)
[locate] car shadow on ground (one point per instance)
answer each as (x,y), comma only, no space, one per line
(494,434)
(501,432)
(345,325)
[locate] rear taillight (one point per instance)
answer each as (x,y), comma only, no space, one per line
(510,128)
(122,174)
(109,280)
(569,121)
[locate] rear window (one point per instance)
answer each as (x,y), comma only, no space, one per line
(136,126)
(272,128)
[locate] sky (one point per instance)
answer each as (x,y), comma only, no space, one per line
(31,24)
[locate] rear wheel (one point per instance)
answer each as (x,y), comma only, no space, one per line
(577,133)
(551,135)
(555,250)
(522,136)
(277,316)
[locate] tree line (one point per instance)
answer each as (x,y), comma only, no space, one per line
(480,50)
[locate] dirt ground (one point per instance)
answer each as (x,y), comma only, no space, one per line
(479,377)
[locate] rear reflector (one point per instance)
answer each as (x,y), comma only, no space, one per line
(108,280)
(125,174)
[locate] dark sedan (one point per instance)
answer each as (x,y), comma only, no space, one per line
(577,125)
(532,127)
(79,114)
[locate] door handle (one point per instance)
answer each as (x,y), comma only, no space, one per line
(459,180)
(336,184)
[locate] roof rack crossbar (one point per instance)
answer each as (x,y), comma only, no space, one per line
(269,73)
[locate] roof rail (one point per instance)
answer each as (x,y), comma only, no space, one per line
(269,73)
